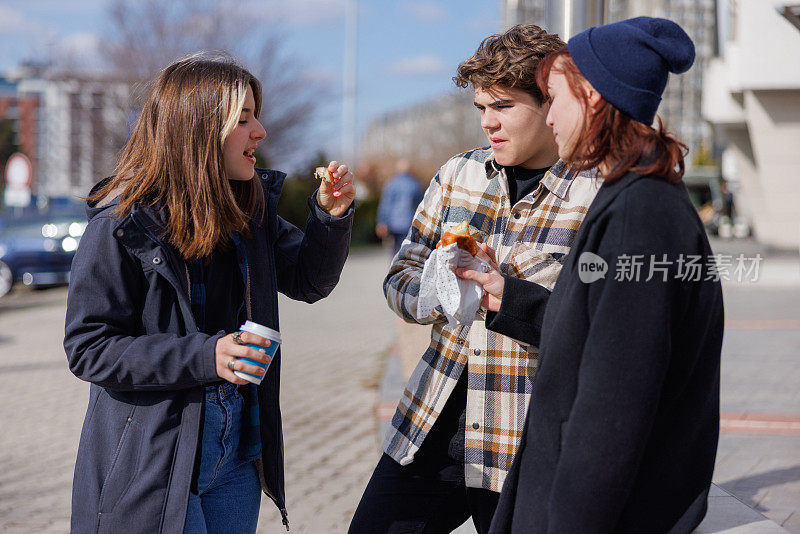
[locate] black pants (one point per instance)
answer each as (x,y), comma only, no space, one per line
(428,495)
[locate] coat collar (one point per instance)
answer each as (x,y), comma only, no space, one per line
(143,229)
(607,193)
(152,219)
(605,196)
(273,183)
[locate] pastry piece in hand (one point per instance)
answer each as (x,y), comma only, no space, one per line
(322,173)
(459,235)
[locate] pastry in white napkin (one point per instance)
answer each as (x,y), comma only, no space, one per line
(439,286)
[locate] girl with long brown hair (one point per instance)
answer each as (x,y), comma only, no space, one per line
(623,422)
(183,246)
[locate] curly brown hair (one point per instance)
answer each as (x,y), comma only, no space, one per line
(509,60)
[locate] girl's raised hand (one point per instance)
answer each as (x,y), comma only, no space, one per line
(336,197)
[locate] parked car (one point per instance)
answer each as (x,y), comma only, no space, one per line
(38,252)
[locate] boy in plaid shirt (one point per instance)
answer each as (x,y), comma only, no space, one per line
(459,421)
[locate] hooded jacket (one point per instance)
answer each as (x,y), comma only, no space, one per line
(130,332)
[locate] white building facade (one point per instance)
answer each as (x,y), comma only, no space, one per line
(751,96)
(427,134)
(83,123)
(681,102)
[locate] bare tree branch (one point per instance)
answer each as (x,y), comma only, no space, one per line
(289,102)
(148,35)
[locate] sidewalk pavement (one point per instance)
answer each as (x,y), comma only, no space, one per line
(332,355)
(758,459)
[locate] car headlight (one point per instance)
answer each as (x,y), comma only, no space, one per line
(69,244)
(76,229)
(49,230)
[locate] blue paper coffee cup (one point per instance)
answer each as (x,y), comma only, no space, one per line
(275,341)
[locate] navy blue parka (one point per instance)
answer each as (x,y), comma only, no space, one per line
(130,332)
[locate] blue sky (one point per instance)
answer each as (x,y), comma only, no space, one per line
(407,49)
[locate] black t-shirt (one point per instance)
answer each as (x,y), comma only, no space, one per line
(447,436)
(224,310)
(522,181)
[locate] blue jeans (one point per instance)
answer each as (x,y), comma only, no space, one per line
(228,491)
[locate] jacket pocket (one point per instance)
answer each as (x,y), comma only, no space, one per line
(124,466)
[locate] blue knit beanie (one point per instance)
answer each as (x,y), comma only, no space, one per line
(628,62)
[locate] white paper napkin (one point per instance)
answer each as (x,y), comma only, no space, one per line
(439,285)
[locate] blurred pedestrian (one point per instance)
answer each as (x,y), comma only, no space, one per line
(460,418)
(728,206)
(183,245)
(399,200)
(624,419)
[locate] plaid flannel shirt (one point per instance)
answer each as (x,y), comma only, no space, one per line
(530,239)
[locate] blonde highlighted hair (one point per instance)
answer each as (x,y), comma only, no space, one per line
(174,158)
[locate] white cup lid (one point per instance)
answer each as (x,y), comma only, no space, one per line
(261,330)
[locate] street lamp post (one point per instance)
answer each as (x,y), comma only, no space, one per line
(349,82)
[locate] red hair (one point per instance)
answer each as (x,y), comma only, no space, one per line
(611,136)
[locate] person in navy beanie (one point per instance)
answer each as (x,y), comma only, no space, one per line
(628,62)
(623,423)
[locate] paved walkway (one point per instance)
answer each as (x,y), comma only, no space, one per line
(41,410)
(332,354)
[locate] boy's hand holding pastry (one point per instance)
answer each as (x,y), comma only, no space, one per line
(492,281)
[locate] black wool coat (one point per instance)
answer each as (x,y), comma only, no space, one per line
(623,423)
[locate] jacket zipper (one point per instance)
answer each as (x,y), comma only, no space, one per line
(188,282)
(248,305)
(284,514)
